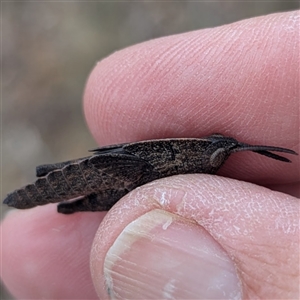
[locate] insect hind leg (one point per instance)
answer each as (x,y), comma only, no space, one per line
(43,170)
(93,202)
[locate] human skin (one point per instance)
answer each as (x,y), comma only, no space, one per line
(241,80)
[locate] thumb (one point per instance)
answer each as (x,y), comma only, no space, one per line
(198,236)
(161,255)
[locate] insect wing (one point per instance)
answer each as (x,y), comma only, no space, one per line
(109,149)
(123,168)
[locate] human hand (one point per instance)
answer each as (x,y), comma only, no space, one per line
(189,236)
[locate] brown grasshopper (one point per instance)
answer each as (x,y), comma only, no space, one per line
(111,172)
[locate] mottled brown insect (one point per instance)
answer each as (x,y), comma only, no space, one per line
(102,179)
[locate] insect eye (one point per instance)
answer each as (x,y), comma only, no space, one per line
(218,157)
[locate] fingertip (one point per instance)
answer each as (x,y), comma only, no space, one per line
(166,256)
(155,230)
(222,79)
(201,82)
(41,246)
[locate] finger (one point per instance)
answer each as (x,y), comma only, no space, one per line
(198,236)
(240,79)
(45,255)
(150,125)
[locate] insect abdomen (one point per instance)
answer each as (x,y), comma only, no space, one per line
(56,186)
(31,195)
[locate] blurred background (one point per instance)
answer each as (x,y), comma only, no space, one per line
(48,51)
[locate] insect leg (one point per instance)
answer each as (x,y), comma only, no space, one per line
(43,170)
(93,202)
(74,176)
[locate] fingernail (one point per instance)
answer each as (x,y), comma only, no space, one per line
(162,255)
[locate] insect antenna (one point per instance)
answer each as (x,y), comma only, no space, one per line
(265,150)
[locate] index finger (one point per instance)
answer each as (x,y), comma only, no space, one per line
(240,80)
